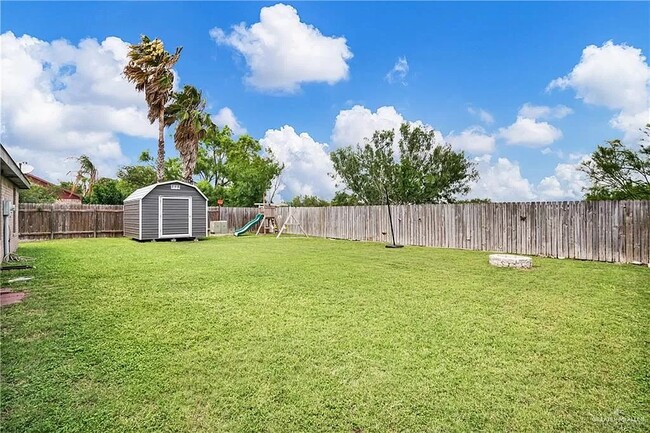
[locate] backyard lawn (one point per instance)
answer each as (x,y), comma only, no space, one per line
(255,334)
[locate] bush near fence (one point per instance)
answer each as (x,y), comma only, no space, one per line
(608,231)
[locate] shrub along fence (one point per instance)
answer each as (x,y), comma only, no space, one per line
(608,231)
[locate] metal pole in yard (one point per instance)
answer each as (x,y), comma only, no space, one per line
(390,220)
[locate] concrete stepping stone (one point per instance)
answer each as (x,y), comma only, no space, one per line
(510,261)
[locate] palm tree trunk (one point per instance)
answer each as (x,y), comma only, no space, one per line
(188,178)
(160,161)
(188,169)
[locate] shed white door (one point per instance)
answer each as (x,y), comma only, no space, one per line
(174,217)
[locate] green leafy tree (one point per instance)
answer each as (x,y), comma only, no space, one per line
(474,200)
(132,177)
(251,174)
(150,69)
(342,198)
(618,172)
(235,171)
(38,194)
(421,171)
(173,169)
(214,149)
(65,184)
(173,166)
(210,192)
(187,109)
(308,201)
(106,191)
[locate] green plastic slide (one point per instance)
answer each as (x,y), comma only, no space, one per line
(249,224)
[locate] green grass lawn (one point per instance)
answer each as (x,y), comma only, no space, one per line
(256,334)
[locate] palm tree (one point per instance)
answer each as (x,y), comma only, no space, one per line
(85,177)
(150,69)
(188,109)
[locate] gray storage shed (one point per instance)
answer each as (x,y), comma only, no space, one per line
(167,210)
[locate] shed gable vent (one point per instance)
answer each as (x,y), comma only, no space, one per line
(175,186)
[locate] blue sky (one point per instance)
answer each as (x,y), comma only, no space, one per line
(332,85)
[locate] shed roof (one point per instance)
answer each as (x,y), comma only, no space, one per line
(140,193)
(11,170)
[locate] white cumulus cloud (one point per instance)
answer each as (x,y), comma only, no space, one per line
(616,76)
(61,100)
(282,52)
(307,163)
(353,126)
(358,123)
(631,124)
(544,112)
(482,114)
(567,183)
(473,140)
(501,181)
(225,117)
(529,132)
(549,151)
(399,71)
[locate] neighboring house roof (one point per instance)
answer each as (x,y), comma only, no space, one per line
(11,170)
(142,192)
(63,194)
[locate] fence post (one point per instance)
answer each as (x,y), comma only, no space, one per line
(95,226)
(51,221)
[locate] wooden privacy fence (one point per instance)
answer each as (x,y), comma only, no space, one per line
(59,221)
(608,231)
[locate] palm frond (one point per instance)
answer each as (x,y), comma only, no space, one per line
(150,70)
(187,109)
(85,177)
